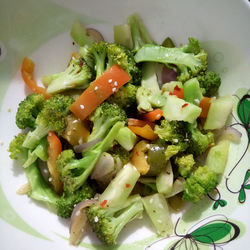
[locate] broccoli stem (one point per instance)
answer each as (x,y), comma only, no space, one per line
(155,53)
(149,77)
(120,187)
(139,32)
(34,137)
(39,188)
(131,209)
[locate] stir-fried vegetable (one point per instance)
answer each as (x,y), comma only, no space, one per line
(119,130)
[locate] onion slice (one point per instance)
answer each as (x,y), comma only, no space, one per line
(79,221)
(85,146)
(168,75)
(95,34)
(231,134)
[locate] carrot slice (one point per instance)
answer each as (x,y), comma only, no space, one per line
(54,149)
(153,115)
(99,90)
(139,123)
(145,132)
(178,92)
(27,71)
(205,105)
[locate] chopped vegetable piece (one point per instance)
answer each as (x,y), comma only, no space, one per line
(27,70)
(219,112)
(139,123)
(99,90)
(164,181)
(111,196)
(153,115)
(138,157)
(178,92)
(158,211)
(145,132)
(205,105)
(217,157)
(54,150)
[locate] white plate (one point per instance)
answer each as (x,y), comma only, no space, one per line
(40,30)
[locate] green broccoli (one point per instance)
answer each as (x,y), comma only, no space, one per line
(39,189)
(202,181)
(148,94)
(101,56)
(65,204)
(125,97)
(103,118)
(77,75)
(118,54)
(198,142)
(139,32)
(188,61)
(28,110)
(74,172)
(185,164)
(210,83)
(52,117)
(173,132)
(115,208)
(96,57)
(16,150)
(171,150)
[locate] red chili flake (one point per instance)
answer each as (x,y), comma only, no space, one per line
(80,63)
(102,204)
(184,105)
(137,153)
(127,185)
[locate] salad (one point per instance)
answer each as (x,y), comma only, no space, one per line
(127,127)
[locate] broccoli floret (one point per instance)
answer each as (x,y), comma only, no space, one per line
(148,94)
(103,118)
(96,56)
(201,182)
(118,54)
(125,97)
(101,56)
(188,61)
(28,110)
(108,223)
(114,209)
(209,83)
(173,132)
(77,75)
(74,172)
(16,150)
(39,189)
(199,142)
(185,164)
(171,150)
(51,118)
(65,204)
